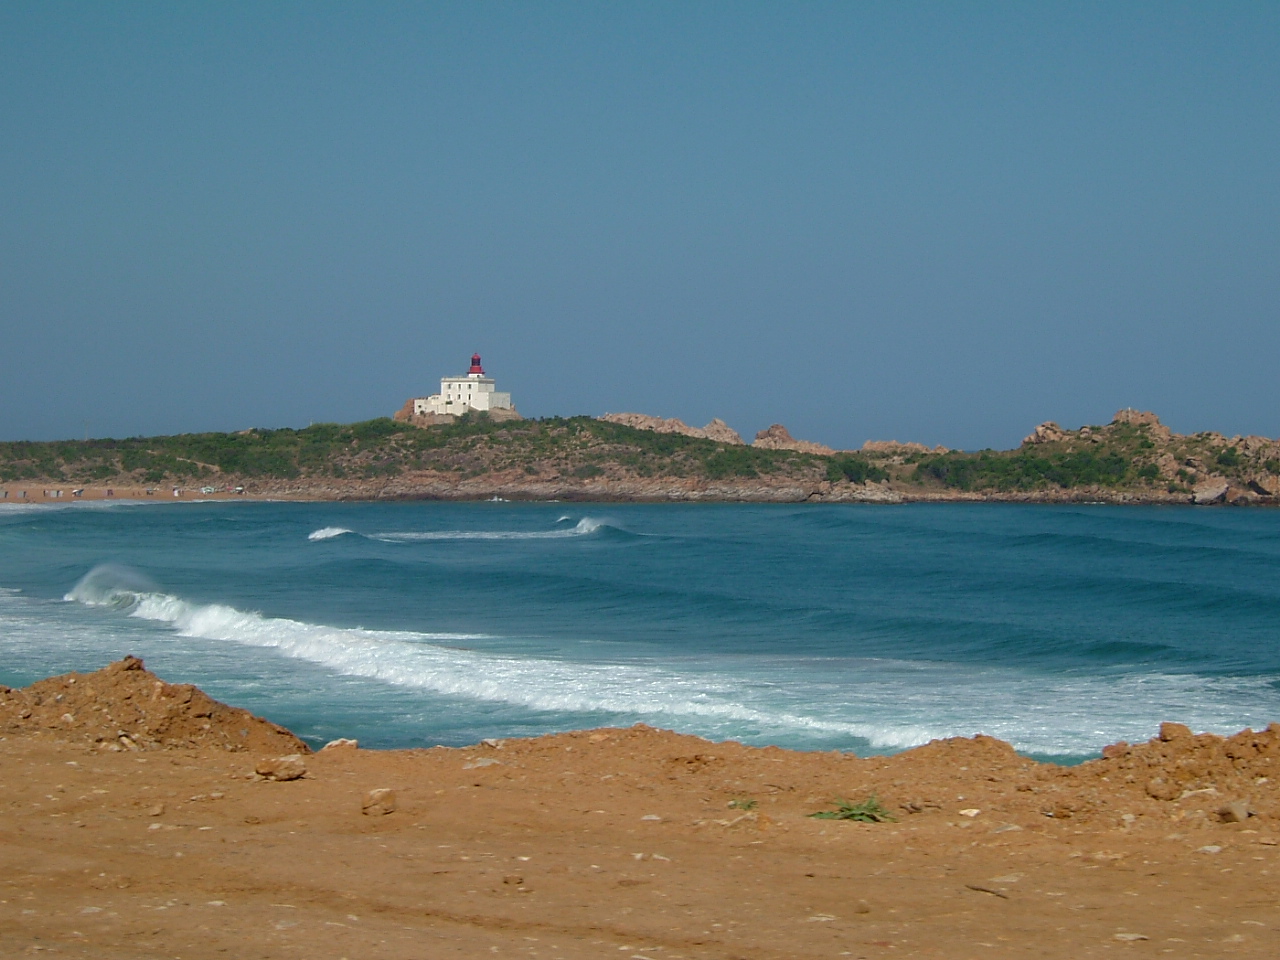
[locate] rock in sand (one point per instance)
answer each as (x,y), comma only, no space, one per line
(291,767)
(1237,811)
(378,803)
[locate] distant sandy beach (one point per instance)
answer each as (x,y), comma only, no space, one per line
(519,488)
(70,493)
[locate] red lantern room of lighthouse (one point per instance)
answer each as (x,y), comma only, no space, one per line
(475,365)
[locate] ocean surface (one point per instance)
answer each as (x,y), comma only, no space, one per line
(855,627)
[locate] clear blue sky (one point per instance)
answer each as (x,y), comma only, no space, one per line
(942,222)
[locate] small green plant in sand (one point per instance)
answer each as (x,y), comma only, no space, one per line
(868,811)
(742,804)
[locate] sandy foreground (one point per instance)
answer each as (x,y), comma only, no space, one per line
(133,824)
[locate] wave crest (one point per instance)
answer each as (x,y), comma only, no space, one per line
(888,704)
(111,585)
(584,527)
(431,661)
(328,533)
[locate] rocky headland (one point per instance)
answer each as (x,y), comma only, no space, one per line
(1204,467)
(1132,459)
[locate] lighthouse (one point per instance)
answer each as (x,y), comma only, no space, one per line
(459,395)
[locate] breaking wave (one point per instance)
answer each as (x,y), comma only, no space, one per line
(112,585)
(328,533)
(888,704)
(584,527)
(433,662)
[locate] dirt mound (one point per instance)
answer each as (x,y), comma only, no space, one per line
(1198,771)
(124,706)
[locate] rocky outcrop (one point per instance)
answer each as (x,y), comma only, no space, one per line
(1168,465)
(894,448)
(1208,466)
(1047,432)
(1050,432)
(1212,490)
(1241,494)
(1143,418)
(1255,445)
(721,432)
(777,437)
(716,430)
(1266,484)
(1137,418)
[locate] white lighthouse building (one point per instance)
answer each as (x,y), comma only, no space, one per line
(458,395)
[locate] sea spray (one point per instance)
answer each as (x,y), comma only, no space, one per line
(111,585)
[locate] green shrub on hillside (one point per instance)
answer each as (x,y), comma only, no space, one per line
(1025,470)
(733,461)
(854,469)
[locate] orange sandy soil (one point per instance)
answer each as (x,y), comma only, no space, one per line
(132,824)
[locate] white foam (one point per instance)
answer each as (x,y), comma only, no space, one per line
(584,527)
(416,659)
(328,533)
(891,704)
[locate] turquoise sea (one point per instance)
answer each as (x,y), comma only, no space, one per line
(853,627)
